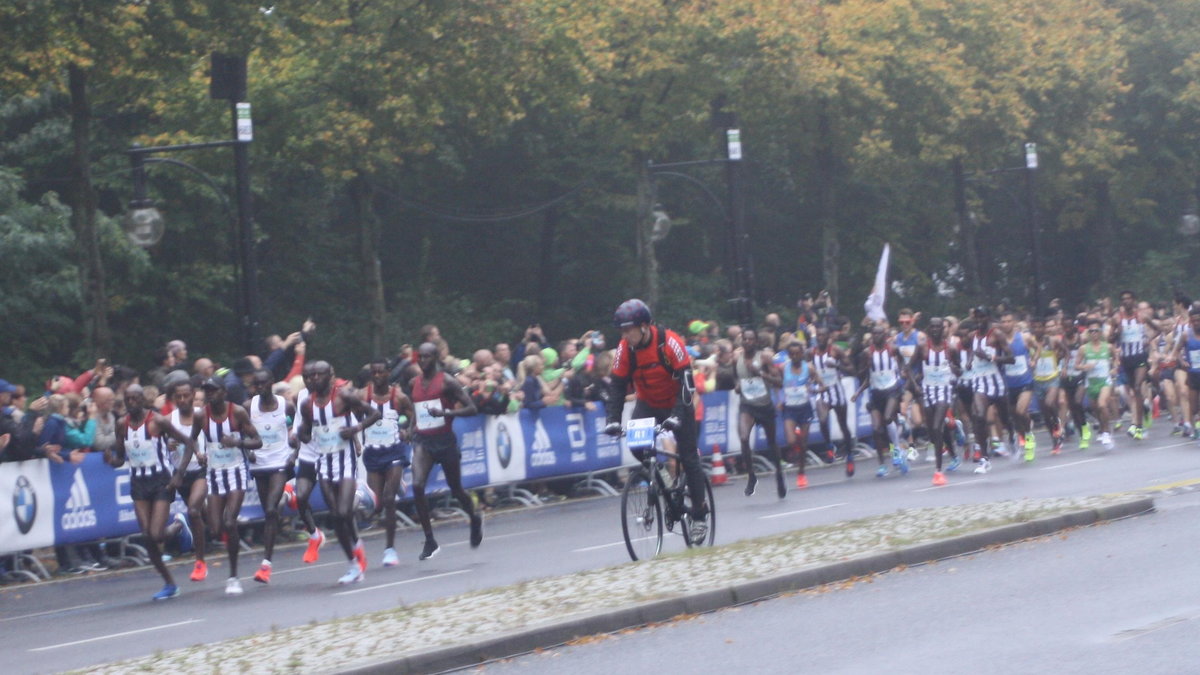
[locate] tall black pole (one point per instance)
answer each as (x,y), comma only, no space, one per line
(240,113)
(737,216)
(1035,247)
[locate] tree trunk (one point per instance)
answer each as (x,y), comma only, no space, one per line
(969,257)
(826,202)
(368,246)
(1105,235)
(97,339)
(648,261)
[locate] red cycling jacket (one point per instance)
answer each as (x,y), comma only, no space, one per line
(653,382)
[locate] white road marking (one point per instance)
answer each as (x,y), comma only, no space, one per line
(116,635)
(1063,466)
(276,573)
(618,543)
(951,484)
(52,611)
(1173,445)
(401,583)
(792,513)
(486,537)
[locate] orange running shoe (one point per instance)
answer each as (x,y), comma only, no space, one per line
(263,575)
(939,478)
(801,481)
(200,571)
(360,554)
(315,542)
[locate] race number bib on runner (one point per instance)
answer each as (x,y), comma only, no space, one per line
(753,387)
(795,396)
(425,420)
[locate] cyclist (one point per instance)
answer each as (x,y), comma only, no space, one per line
(655,359)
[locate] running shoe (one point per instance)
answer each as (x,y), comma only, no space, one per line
(199,571)
(829,457)
(390,559)
(849,465)
(881,472)
(169,591)
(1106,440)
(360,555)
(263,575)
(955,462)
(233,586)
(697,531)
(801,481)
(983,466)
(998,448)
(186,542)
(896,455)
(939,479)
(959,437)
(903,464)
(354,574)
(1058,445)
(1131,431)
(1177,429)
(476,530)
(913,454)
(1085,437)
(315,541)
(430,550)
(1139,433)
(929,455)
(751,484)
(780,486)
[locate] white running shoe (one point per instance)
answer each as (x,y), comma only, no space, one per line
(390,559)
(913,454)
(929,455)
(353,575)
(983,466)
(1106,440)
(233,586)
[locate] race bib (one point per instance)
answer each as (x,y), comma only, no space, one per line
(883,379)
(795,396)
(1045,367)
(425,420)
(1100,368)
(1194,357)
(753,387)
(272,435)
(221,457)
(1018,367)
(1132,333)
(639,433)
(383,433)
(141,453)
(938,377)
(327,439)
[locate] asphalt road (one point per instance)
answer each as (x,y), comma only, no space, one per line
(78,622)
(1121,597)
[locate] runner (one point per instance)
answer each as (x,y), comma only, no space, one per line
(989,351)
(332,418)
(151,483)
(880,371)
(385,454)
(1072,384)
(1095,359)
(655,361)
(1018,378)
(906,341)
(1183,306)
(829,361)
(1048,354)
(798,382)
(271,466)
(757,375)
(1131,332)
(304,458)
(437,399)
(229,439)
(1189,358)
(935,365)
(193,489)
(964,390)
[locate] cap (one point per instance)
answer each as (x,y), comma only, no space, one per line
(697,326)
(212,383)
(6,387)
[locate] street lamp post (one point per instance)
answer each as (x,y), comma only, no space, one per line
(144,224)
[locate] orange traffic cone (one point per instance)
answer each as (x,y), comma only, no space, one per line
(718,476)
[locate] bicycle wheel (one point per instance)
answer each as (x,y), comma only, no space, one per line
(710,521)
(641,516)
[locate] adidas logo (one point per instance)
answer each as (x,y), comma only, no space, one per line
(79,511)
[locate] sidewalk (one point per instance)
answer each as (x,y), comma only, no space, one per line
(493,623)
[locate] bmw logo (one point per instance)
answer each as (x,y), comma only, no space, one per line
(24,505)
(503,445)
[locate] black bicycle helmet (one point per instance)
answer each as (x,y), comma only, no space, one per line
(632,312)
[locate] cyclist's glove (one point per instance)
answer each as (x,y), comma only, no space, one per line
(613,429)
(670,424)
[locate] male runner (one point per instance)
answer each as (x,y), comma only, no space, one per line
(1132,333)
(437,399)
(935,365)
(1096,360)
(906,340)
(757,375)
(228,436)
(656,361)
(879,370)
(829,361)
(151,483)
(1018,378)
(193,489)
(272,465)
(385,454)
(798,382)
(989,351)
(1189,359)
(1073,385)
(1048,352)
(332,418)
(304,457)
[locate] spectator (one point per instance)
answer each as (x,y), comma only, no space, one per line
(726,379)
(237,380)
(532,342)
(101,413)
(53,439)
(529,373)
(21,430)
(490,391)
(203,368)
(734,335)
(552,378)
(163,364)
(503,355)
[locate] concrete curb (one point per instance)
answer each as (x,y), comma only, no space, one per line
(606,621)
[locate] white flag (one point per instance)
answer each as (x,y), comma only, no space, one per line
(874,303)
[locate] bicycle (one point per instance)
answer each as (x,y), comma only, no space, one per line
(653,500)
